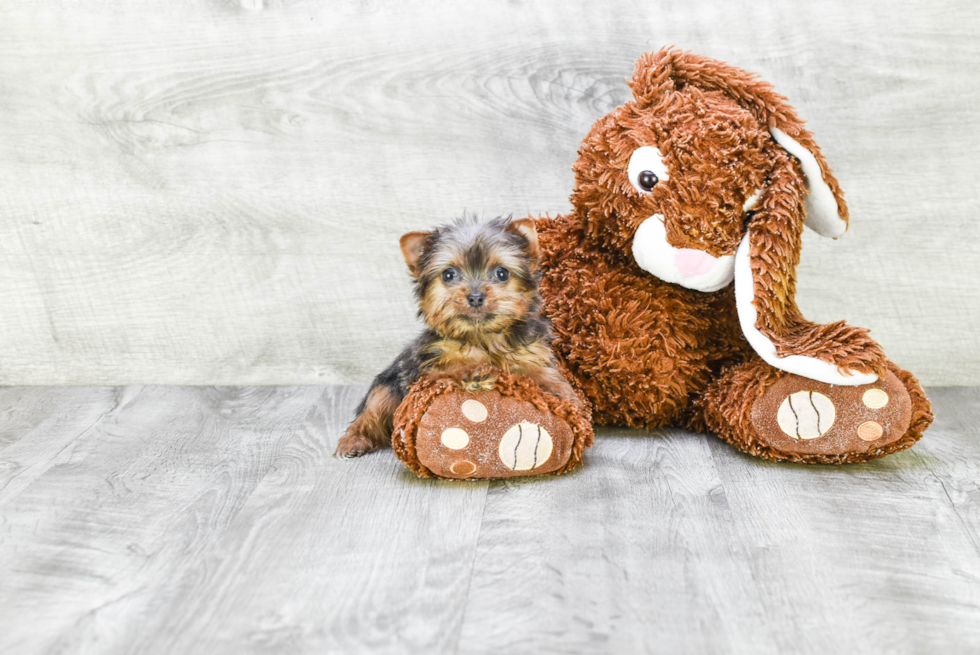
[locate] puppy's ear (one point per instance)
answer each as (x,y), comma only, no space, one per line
(525,227)
(671,69)
(413,247)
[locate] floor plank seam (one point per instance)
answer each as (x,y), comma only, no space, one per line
(6,498)
(469,578)
(959,517)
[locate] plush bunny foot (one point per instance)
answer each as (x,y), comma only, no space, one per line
(781,416)
(486,435)
(803,417)
(511,431)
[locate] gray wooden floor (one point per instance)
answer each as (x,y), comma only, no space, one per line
(214,520)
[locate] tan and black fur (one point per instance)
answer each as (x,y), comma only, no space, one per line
(477,287)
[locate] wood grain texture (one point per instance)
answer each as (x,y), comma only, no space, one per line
(211,192)
(214,520)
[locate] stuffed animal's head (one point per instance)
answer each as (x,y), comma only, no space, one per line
(707,176)
(673,178)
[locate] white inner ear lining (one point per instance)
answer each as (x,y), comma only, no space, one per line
(808,367)
(752,201)
(822,212)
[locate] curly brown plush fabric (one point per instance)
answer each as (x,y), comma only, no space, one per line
(649,353)
(515,406)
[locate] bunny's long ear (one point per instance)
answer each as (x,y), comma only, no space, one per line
(670,69)
(765,290)
(766,259)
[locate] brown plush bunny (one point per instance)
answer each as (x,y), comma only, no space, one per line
(671,286)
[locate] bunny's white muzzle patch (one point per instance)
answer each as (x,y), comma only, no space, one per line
(690,268)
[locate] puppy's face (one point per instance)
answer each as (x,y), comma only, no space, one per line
(472,277)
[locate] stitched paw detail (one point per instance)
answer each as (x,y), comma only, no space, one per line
(806,415)
(525,446)
(798,415)
(479,435)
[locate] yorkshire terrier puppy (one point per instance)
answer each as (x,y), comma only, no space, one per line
(477,287)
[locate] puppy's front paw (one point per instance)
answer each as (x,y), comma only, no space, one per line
(354,444)
(478,381)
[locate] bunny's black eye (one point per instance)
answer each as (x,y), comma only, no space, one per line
(450,275)
(646,169)
(501,274)
(647,180)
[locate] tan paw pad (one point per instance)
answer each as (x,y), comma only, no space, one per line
(806,415)
(474,410)
(455,438)
(870,430)
(525,446)
(463,467)
(874,398)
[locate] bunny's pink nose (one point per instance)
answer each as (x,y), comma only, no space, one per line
(691,263)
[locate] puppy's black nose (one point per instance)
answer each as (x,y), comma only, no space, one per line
(476,299)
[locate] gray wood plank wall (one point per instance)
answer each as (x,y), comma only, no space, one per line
(211,192)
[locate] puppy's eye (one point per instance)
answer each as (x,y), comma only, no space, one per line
(501,274)
(450,275)
(646,169)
